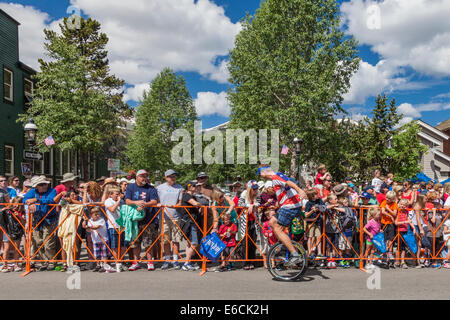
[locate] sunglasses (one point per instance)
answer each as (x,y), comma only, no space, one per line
(2,180)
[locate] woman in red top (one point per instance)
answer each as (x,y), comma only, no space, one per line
(408,194)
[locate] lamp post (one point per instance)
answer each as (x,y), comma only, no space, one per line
(298,148)
(31,131)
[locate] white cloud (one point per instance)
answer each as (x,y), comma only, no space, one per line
(146,36)
(136,92)
(209,103)
(371,80)
(412,33)
(411,112)
(408,110)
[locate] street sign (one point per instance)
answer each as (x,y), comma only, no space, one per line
(113,165)
(31,155)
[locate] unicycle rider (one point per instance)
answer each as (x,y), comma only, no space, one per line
(289,197)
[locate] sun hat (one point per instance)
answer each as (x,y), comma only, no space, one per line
(68,177)
(40,180)
(340,189)
(27,183)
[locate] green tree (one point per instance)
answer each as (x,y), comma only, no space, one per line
(379,143)
(290,68)
(77,100)
(167,107)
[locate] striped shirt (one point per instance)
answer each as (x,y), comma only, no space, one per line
(287,197)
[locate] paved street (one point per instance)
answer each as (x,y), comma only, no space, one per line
(240,285)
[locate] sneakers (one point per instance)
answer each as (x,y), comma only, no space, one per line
(17,268)
(370,266)
(342,264)
(404,266)
(176,266)
(118,267)
(293,261)
(197,267)
(97,268)
(446,265)
(331,265)
(108,268)
(5,269)
(436,265)
(165,266)
(347,264)
(134,267)
(150,266)
(188,267)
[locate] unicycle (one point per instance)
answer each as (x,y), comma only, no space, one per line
(278,256)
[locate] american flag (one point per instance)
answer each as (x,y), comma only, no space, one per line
(49,141)
(285,150)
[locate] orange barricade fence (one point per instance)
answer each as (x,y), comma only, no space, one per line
(32,238)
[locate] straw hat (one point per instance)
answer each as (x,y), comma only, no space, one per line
(68,177)
(39,180)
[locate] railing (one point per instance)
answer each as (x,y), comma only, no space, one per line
(39,238)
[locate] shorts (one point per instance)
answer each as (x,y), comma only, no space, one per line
(100,251)
(114,238)
(193,237)
(314,231)
(285,216)
(147,238)
(172,230)
(344,242)
(5,238)
(332,238)
(389,232)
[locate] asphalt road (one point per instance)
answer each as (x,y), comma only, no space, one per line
(427,284)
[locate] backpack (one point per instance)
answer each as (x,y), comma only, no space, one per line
(297,226)
(348,219)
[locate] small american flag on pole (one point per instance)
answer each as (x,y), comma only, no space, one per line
(49,141)
(285,150)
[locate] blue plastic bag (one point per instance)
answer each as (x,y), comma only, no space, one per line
(410,241)
(211,247)
(378,241)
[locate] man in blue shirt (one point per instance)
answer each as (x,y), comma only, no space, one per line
(144,196)
(45,219)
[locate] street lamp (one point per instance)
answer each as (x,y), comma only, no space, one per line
(31,131)
(298,149)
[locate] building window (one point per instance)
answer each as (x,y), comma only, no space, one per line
(8,85)
(9,160)
(28,87)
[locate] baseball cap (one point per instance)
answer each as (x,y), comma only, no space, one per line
(190,183)
(252,184)
(202,175)
(170,172)
(261,184)
(369,188)
(141,172)
(366,195)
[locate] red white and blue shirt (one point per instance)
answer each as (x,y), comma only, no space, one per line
(287,197)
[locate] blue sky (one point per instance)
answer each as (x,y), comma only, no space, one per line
(405,55)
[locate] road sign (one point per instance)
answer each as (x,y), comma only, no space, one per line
(113,165)
(31,155)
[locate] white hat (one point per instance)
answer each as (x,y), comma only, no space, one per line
(268,184)
(260,184)
(40,180)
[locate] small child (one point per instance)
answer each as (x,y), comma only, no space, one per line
(331,228)
(371,229)
(99,234)
(112,205)
(402,221)
(227,232)
(447,241)
(313,211)
(270,236)
(435,221)
(347,221)
(15,222)
(321,176)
